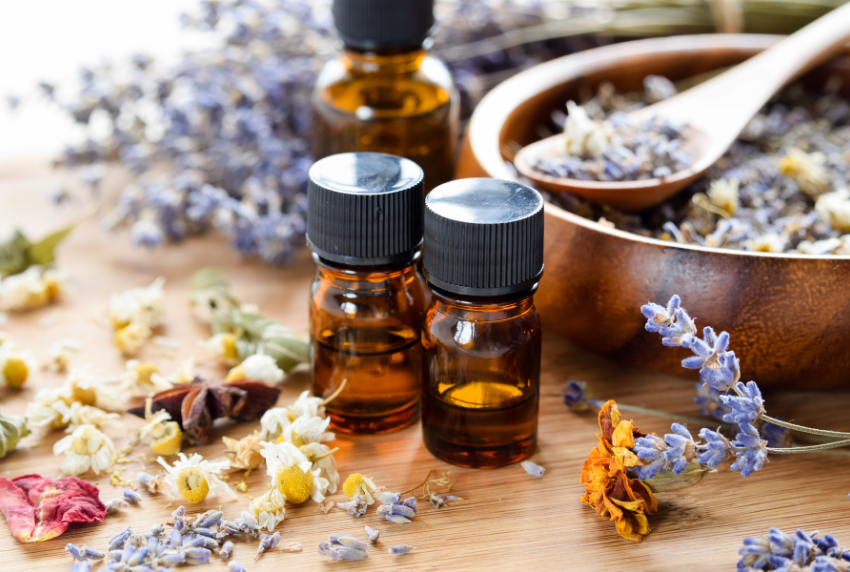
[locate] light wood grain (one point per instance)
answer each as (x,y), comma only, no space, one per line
(506,520)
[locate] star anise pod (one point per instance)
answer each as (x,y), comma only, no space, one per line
(196,405)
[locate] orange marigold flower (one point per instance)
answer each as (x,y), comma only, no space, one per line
(609,489)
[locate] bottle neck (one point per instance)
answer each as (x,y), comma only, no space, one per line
(491,308)
(389,63)
(366,278)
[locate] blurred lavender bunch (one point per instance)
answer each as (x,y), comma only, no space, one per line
(220,140)
(678,453)
(802,551)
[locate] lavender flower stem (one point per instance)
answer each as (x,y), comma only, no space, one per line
(802,429)
(808,448)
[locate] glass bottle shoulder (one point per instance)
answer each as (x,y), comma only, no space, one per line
(370,90)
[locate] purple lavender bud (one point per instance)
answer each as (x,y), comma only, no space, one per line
(345,554)
(91,553)
(138,557)
(176,539)
(143,478)
(388,498)
(132,497)
(325,550)
(201,541)
(533,469)
(396,519)
(439,500)
(397,510)
(236,566)
(401,549)
(204,532)
(74,551)
(347,541)
(118,540)
(81,566)
(411,503)
(226,550)
(372,534)
(115,555)
(209,520)
(196,555)
(157,530)
(174,559)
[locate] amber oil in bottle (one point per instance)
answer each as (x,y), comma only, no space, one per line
(367,300)
(483,258)
(385,93)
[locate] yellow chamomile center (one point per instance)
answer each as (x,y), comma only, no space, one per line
(15,371)
(352,484)
(228,346)
(297,440)
(295,484)
(145,371)
(235,374)
(84,395)
(165,438)
(81,445)
(192,484)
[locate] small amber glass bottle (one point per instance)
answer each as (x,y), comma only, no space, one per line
(385,93)
(364,226)
(483,258)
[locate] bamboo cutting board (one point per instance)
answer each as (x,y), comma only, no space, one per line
(507,520)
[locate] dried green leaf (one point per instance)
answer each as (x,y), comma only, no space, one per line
(14,254)
(44,251)
(211,298)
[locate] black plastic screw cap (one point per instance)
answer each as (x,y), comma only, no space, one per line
(370,25)
(483,237)
(365,208)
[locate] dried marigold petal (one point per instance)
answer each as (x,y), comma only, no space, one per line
(39,508)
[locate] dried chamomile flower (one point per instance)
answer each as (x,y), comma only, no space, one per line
(141,379)
(165,435)
(131,338)
(819,247)
(322,458)
(16,365)
(12,429)
(86,448)
(834,209)
(144,306)
(723,194)
(258,367)
(33,288)
(224,347)
(59,354)
(357,484)
(808,170)
(582,135)
(90,415)
(768,242)
(50,408)
(246,451)
(533,469)
(195,478)
(185,374)
(269,508)
(291,473)
(307,429)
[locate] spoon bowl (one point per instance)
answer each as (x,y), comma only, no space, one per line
(715,112)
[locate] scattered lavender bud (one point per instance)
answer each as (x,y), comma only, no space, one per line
(115,505)
(439,500)
(204,532)
(138,556)
(410,502)
(132,497)
(388,498)
(74,552)
(267,542)
(356,507)
(236,566)
(91,554)
(201,541)
(196,555)
(533,469)
(576,396)
(396,519)
(344,554)
(176,538)
(82,566)
(118,540)
(157,530)
(226,550)
(347,541)
(401,549)
(372,534)
(396,510)
(115,554)
(209,519)
(173,559)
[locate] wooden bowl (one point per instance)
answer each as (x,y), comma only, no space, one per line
(788,315)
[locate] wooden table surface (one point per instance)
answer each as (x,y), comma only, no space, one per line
(507,520)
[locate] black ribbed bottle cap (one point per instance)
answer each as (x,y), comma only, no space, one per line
(370,25)
(365,208)
(483,237)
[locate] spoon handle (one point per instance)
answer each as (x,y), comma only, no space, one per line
(724,105)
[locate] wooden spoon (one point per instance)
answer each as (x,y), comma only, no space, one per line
(715,111)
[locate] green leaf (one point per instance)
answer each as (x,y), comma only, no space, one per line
(44,251)
(14,254)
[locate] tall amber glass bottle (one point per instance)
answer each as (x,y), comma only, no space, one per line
(482,339)
(364,226)
(385,93)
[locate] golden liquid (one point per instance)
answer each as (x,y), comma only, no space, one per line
(402,114)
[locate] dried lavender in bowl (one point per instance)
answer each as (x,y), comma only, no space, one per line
(781,187)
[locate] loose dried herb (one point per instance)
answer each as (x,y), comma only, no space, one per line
(12,429)
(195,406)
(39,508)
(17,252)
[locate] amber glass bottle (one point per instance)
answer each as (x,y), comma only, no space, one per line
(482,337)
(385,93)
(364,226)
